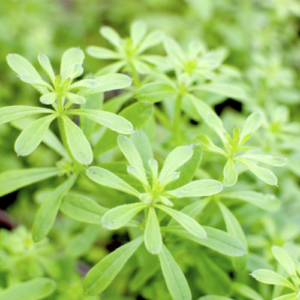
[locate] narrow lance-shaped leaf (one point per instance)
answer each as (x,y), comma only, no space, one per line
(198,188)
(119,216)
(48,98)
(111,35)
(152,39)
(102,274)
(35,81)
(214,297)
(82,209)
(77,142)
(284,259)
(208,145)
(32,136)
(107,178)
(15,179)
(185,221)
(252,123)
(46,65)
(230,173)
(246,291)
(152,235)
(47,212)
(102,53)
(107,119)
(34,289)
(175,280)
(138,30)
(11,113)
(267,159)
(292,296)
(77,99)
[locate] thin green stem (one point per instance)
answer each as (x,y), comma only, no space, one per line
(177,121)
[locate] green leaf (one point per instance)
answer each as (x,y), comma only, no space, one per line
(262,173)
(185,221)
(77,142)
(75,71)
(152,235)
(217,240)
(77,99)
(284,259)
(32,136)
(175,159)
(102,53)
(151,40)
(11,113)
(292,296)
(13,180)
(84,84)
(108,82)
(156,92)
(230,173)
(224,89)
(114,104)
(22,66)
(102,274)
(137,114)
(270,277)
(111,35)
(252,123)
(174,51)
(246,291)
(34,289)
(70,57)
(208,145)
(48,98)
(106,178)
(46,65)
(107,119)
(198,188)
(267,159)
(175,280)
(82,209)
(119,216)
(264,201)
(138,30)
(213,297)
(133,157)
(35,81)
(47,212)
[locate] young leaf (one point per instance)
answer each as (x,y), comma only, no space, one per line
(47,212)
(224,89)
(152,235)
(111,35)
(284,259)
(262,173)
(77,99)
(82,209)
(132,156)
(208,145)
(102,274)
(185,221)
(230,173)
(107,178)
(102,53)
(267,159)
(292,296)
(175,280)
(46,65)
(138,30)
(270,277)
(174,160)
(198,188)
(85,84)
(77,142)
(48,98)
(11,113)
(119,216)
(252,123)
(151,40)
(33,289)
(13,180)
(35,81)
(107,119)
(75,71)
(32,136)
(246,291)
(214,297)
(70,57)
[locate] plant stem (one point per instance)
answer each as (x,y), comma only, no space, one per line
(177,121)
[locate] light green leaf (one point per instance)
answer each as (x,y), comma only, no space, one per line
(32,136)
(264,201)
(46,65)
(107,119)
(141,67)
(138,30)
(262,173)
(152,235)
(22,66)
(106,178)
(270,277)
(108,82)
(34,289)
(213,297)
(102,274)
(224,89)
(284,259)
(133,157)
(208,145)
(47,212)
(35,81)
(175,159)
(252,123)
(102,53)
(156,92)
(77,99)
(11,113)
(84,84)
(198,188)
(77,142)
(151,40)
(75,71)
(119,216)
(13,180)
(82,209)
(230,173)
(111,35)
(267,159)
(175,280)
(292,296)
(114,104)
(174,51)
(246,291)
(70,57)
(185,221)
(48,98)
